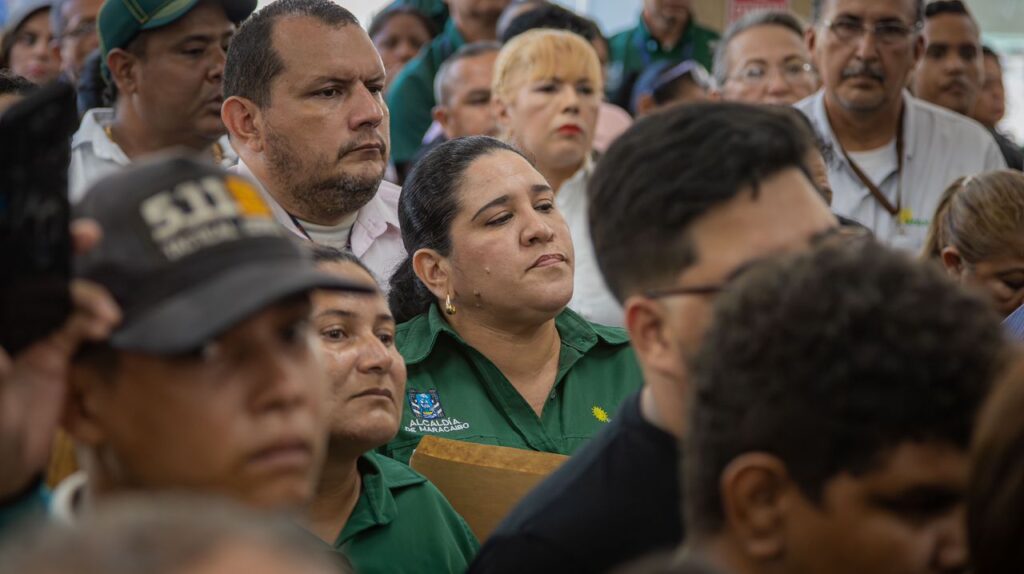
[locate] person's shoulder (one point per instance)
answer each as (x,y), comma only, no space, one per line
(396,474)
(941,118)
(620,40)
(806,105)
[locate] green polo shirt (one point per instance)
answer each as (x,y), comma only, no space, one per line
(455,392)
(411,95)
(632,50)
(402,524)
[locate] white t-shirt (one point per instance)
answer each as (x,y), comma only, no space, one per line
(878,163)
(336,236)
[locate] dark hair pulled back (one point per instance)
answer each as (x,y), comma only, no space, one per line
(427,206)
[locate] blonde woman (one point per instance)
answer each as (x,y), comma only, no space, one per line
(547,92)
(978,235)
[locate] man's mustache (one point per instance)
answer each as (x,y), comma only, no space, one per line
(863,69)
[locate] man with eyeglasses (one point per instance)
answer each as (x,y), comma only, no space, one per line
(894,154)
(73,24)
(617,498)
(763,59)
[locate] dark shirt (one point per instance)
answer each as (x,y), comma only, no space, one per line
(1013,154)
(617,499)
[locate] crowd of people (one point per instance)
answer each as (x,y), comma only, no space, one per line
(757,289)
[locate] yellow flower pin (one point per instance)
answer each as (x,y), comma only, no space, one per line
(600,414)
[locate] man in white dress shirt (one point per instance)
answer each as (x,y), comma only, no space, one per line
(894,154)
(308,119)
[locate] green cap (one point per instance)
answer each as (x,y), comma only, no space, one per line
(121,20)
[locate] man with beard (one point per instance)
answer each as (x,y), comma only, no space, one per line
(894,154)
(411,96)
(308,119)
(166,61)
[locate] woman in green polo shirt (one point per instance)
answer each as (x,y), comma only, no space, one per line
(493,354)
(384,516)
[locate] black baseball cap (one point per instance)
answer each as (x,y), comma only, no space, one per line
(188,251)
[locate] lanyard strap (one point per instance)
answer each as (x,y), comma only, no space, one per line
(875,191)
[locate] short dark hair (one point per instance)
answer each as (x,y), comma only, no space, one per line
(328,254)
(938,7)
(441,80)
(781,18)
(989,52)
(383,17)
(830,359)
(11,83)
(670,169)
(253,62)
(819,9)
(550,16)
(426,208)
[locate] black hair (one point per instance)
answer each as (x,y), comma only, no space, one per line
(252,61)
(819,9)
(11,83)
(937,7)
(830,359)
(670,169)
(328,254)
(550,16)
(988,51)
(426,208)
(382,18)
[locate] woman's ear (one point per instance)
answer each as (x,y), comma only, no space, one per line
(433,270)
(952,261)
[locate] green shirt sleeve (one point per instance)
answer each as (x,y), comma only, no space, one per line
(402,524)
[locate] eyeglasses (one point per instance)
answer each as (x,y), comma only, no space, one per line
(794,72)
(81,30)
(84,28)
(890,32)
(685,290)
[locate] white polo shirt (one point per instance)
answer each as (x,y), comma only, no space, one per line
(94,156)
(939,147)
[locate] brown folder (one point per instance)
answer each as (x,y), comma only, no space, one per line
(482,482)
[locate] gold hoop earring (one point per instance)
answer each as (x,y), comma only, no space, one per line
(449,307)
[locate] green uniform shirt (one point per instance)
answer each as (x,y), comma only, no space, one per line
(411,96)
(403,525)
(455,392)
(630,51)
